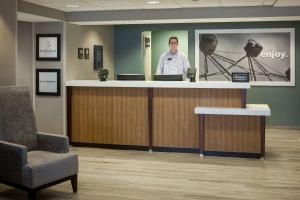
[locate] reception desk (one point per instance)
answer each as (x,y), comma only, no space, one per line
(156,115)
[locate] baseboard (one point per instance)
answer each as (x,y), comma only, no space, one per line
(232,154)
(175,149)
(110,146)
(283,127)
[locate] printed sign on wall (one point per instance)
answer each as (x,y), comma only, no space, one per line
(80,53)
(98,57)
(48,82)
(268,55)
(48,47)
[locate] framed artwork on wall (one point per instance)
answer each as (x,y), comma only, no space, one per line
(80,53)
(98,57)
(86,53)
(48,82)
(147,42)
(268,55)
(48,47)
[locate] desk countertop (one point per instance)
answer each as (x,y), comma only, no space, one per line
(251,109)
(158,84)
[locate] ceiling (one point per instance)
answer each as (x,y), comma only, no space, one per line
(96,5)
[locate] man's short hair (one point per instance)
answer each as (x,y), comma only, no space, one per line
(173,38)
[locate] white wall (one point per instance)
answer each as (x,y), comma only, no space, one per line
(87,37)
(147,55)
(50,110)
(24,69)
(8,37)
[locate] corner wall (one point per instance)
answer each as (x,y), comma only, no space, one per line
(86,37)
(24,68)
(50,110)
(8,46)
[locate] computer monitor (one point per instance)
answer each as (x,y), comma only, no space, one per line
(169,77)
(131,77)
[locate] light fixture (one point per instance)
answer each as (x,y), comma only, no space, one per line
(152,2)
(72,5)
(255,19)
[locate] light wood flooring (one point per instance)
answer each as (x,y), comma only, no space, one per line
(119,174)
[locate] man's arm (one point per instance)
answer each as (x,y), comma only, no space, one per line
(160,66)
(186,65)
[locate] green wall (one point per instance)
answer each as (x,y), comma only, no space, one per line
(283,101)
(159,44)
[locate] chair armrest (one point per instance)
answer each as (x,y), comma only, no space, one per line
(54,143)
(12,157)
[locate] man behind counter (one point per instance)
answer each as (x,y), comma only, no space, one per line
(173,61)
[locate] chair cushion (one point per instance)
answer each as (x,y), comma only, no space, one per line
(17,122)
(45,167)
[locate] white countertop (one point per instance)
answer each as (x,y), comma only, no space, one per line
(251,109)
(158,84)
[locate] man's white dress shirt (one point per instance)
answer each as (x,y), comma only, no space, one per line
(172,63)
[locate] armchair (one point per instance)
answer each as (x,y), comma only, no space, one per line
(29,160)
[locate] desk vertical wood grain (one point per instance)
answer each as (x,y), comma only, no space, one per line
(116,116)
(174,122)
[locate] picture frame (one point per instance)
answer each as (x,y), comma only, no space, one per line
(48,47)
(80,53)
(147,42)
(267,54)
(48,82)
(98,57)
(86,53)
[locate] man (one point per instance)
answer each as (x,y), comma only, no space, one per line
(173,61)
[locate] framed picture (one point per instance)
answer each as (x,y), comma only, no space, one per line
(86,53)
(80,53)
(98,57)
(48,82)
(48,47)
(147,42)
(268,55)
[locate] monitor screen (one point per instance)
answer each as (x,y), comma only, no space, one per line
(173,77)
(131,77)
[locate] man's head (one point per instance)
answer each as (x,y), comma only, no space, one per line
(173,44)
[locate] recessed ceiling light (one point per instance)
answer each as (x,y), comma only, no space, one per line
(72,5)
(152,2)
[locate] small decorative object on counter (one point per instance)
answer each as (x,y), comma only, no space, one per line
(191,73)
(103,74)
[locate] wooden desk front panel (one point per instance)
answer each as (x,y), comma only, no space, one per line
(109,115)
(232,133)
(174,121)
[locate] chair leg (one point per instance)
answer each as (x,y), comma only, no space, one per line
(74,183)
(31,195)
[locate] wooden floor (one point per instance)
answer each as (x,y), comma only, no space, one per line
(118,174)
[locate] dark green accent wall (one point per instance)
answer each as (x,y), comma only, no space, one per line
(283,101)
(128,49)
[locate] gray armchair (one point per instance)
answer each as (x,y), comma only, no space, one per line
(29,160)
